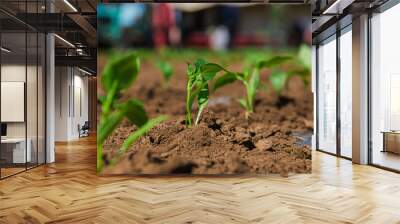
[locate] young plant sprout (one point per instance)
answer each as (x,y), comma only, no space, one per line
(199,74)
(302,62)
(166,70)
(119,74)
(251,80)
(277,78)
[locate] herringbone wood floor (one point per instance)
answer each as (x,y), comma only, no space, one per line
(70,192)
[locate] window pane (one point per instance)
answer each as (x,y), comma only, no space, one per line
(346,94)
(385,114)
(327,96)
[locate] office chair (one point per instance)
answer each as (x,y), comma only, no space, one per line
(84,130)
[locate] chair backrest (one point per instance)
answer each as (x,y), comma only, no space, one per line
(86,125)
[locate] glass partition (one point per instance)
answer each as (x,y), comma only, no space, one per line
(346,92)
(22,92)
(13,103)
(327,97)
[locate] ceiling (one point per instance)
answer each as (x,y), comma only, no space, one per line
(74,22)
(332,14)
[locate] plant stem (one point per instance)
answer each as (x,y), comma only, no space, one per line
(99,157)
(109,99)
(188,106)
(199,113)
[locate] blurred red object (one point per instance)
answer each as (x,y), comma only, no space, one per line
(163,19)
(242,40)
(198,39)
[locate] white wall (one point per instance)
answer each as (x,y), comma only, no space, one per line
(71,93)
(12,73)
(61,103)
(33,127)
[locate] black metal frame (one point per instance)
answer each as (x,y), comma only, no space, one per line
(338,99)
(44,80)
(387,5)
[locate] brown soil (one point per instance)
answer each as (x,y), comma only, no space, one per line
(224,142)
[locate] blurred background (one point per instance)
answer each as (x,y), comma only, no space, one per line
(217,26)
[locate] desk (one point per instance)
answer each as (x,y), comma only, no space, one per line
(16,148)
(391,141)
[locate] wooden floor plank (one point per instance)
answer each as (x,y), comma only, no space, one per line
(69,191)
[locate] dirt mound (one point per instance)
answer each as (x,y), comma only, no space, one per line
(215,146)
(224,142)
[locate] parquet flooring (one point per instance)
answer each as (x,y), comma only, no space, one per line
(69,191)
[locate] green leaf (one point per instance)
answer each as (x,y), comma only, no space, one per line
(278,80)
(190,70)
(202,100)
(203,94)
(209,70)
(252,87)
(304,56)
(102,99)
(134,111)
(198,63)
(166,69)
(243,103)
(141,131)
(122,71)
(224,80)
(108,124)
(246,73)
(274,61)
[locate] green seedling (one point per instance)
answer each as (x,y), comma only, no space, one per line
(199,74)
(166,70)
(302,67)
(304,63)
(119,74)
(250,79)
(277,77)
